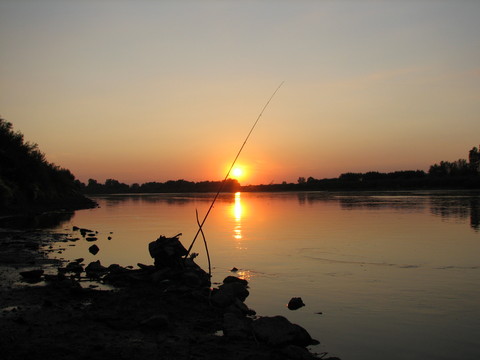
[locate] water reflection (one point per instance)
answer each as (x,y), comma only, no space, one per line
(475,213)
(237,207)
(245,274)
(307,197)
(458,208)
(387,202)
(376,259)
(446,206)
(39,221)
(168,198)
(115,200)
(237,211)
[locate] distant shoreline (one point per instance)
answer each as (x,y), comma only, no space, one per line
(337,191)
(66,204)
(398,180)
(299,188)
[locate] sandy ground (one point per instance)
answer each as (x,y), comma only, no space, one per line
(63,318)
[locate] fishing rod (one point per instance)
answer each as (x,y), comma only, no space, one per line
(200,225)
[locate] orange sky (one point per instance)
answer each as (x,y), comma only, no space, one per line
(158,90)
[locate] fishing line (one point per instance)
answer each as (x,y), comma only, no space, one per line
(229,170)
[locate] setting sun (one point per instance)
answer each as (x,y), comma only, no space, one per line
(237,172)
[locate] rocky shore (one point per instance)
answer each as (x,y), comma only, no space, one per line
(69,310)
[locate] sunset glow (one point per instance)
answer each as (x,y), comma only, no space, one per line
(237,173)
(143,91)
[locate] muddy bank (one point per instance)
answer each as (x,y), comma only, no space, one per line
(161,311)
(38,207)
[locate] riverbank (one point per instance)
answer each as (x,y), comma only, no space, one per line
(35,208)
(149,314)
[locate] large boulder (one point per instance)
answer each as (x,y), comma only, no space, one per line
(278,331)
(232,289)
(295,303)
(94,249)
(235,289)
(235,327)
(167,252)
(95,269)
(32,276)
(74,267)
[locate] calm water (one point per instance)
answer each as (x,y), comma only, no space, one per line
(394,276)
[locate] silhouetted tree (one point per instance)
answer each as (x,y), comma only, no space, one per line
(445,168)
(351,177)
(474,160)
(135,187)
(28,181)
(114,186)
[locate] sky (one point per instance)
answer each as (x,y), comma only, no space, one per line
(150,90)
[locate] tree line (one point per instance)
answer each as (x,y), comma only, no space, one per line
(459,174)
(112,186)
(28,182)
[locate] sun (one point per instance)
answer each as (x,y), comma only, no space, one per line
(237,172)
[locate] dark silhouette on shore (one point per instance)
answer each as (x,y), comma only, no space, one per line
(29,183)
(460,174)
(112,186)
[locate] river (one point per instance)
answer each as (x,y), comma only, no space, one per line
(383,275)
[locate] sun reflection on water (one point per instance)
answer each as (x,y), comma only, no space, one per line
(245,274)
(237,215)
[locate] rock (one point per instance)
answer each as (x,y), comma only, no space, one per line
(91,238)
(79,260)
(167,252)
(239,308)
(228,293)
(278,331)
(95,269)
(237,289)
(295,303)
(109,238)
(96,266)
(160,275)
(192,279)
(236,327)
(52,278)
(84,232)
(94,249)
(145,267)
(75,228)
(74,267)
(32,275)
(115,268)
(222,299)
(234,279)
(234,269)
